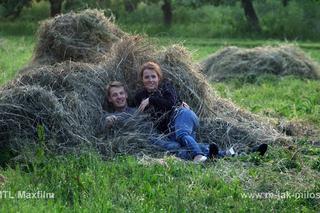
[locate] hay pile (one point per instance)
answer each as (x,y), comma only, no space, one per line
(222,122)
(85,36)
(67,99)
(299,129)
(234,62)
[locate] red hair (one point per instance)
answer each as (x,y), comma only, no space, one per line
(151,66)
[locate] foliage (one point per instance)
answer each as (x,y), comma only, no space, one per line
(77,5)
(13,8)
(297,20)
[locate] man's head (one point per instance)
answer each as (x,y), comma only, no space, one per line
(117,95)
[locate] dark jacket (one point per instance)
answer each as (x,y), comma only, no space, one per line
(162,104)
(122,117)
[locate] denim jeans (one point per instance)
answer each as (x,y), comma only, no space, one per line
(181,142)
(183,126)
(166,144)
(175,147)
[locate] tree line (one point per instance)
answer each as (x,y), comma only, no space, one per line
(13,8)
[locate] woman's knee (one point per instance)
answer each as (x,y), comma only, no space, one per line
(190,116)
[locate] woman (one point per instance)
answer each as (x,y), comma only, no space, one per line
(159,98)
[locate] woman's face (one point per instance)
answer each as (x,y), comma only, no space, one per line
(150,80)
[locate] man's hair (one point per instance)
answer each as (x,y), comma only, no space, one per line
(151,66)
(116,84)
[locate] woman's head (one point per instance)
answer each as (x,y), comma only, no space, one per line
(150,75)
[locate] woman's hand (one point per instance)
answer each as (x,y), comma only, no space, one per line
(143,105)
(185,105)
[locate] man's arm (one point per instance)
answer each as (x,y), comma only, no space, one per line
(108,120)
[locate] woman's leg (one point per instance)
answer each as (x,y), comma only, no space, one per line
(185,124)
(165,143)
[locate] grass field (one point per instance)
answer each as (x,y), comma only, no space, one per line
(285,180)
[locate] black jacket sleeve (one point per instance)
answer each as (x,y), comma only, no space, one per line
(140,96)
(165,98)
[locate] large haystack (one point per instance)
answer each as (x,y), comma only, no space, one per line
(234,62)
(85,36)
(222,121)
(66,100)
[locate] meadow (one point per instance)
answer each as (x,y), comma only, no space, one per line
(285,180)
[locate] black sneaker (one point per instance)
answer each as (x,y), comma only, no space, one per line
(213,150)
(262,148)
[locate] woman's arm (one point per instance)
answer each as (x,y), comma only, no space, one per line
(138,98)
(166,98)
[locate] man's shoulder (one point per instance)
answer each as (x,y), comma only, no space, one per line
(131,110)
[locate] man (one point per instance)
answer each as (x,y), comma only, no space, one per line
(117,97)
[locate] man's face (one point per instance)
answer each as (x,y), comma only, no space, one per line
(118,97)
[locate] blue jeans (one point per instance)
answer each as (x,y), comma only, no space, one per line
(183,126)
(166,144)
(175,148)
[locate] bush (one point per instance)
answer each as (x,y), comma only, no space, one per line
(296,21)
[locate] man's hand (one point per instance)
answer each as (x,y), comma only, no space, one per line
(143,105)
(110,120)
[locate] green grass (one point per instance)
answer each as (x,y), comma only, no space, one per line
(15,53)
(288,97)
(124,184)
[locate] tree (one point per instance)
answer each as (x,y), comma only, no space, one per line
(285,2)
(167,12)
(247,5)
(166,8)
(130,5)
(55,7)
(251,16)
(13,8)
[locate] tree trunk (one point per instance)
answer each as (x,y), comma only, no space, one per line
(14,14)
(129,6)
(167,12)
(285,2)
(55,7)
(250,13)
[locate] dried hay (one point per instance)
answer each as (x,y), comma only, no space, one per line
(222,122)
(130,137)
(299,129)
(176,62)
(66,100)
(124,60)
(85,36)
(233,62)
